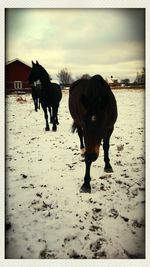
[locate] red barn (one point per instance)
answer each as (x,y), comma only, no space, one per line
(16,76)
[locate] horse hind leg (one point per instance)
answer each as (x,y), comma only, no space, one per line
(35,105)
(108,167)
(57,122)
(81,138)
(38,103)
(50,113)
(54,116)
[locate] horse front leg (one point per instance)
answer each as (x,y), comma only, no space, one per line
(86,187)
(46,119)
(108,167)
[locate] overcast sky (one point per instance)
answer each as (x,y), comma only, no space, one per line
(105,41)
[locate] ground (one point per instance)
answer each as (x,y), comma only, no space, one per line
(46,215)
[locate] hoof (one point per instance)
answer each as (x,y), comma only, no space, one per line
(82,150)
(85,188)
(54,129)
(47,129)
(108,170)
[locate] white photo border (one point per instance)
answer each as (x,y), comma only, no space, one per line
(73,4)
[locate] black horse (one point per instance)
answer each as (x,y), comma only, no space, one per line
(94,110)
(50,94)
(36,92)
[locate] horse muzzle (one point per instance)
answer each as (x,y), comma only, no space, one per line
(92,153)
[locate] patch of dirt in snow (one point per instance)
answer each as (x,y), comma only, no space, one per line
(46,215)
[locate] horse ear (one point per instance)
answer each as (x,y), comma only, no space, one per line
(37,63)
(33,63)
(84,101)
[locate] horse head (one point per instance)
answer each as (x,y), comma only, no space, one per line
(35,72)
(95,103)
(92,131)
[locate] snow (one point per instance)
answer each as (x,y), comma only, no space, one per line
(46,215)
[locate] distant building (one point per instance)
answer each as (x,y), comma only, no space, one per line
(16,76)
(113,81)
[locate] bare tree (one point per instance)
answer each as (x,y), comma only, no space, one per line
(83,76)
(125,81)
(140,77)
(64,77)
(86,76)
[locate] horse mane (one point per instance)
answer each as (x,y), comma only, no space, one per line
(80,81)
(97,88)
(45,73)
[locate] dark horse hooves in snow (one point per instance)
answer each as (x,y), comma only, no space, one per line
(85,188)
(94,110)
(50,94)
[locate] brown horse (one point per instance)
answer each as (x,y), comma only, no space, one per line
(94,110)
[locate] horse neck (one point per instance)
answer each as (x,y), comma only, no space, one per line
(45,82)
(97,87)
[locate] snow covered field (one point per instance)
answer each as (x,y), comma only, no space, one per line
(46,215)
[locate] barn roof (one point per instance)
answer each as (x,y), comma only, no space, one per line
(17,59)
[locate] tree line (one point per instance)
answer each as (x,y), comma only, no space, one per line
(65,77)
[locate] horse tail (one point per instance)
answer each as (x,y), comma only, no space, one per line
(74,127)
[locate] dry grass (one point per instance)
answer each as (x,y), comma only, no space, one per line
(21,100)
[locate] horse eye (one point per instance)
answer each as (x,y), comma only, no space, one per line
(93,118)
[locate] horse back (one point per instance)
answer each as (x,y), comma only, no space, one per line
(94,89)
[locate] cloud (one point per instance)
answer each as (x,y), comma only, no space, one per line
(80,39)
